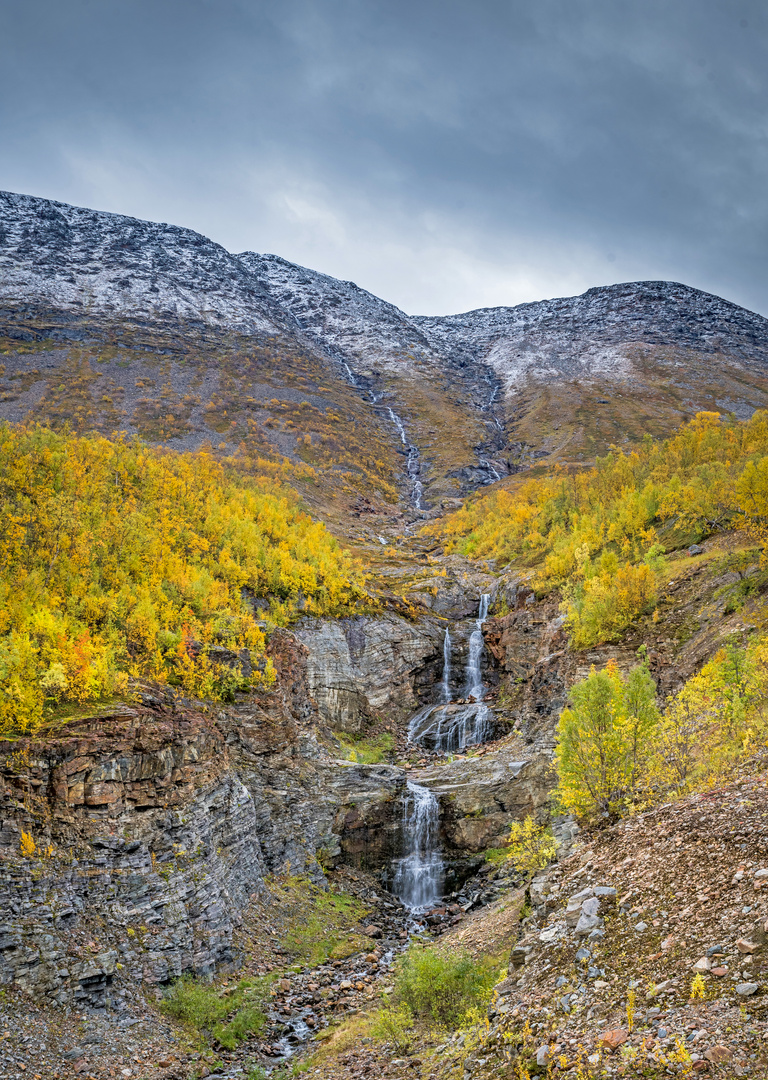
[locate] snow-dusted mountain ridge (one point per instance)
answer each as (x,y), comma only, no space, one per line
(102,266)
(585,336)
(114,324)
(107,266)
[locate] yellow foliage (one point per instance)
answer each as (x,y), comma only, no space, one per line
(27,845)
(531,846)
(595,532)
(616,750)
(118,559)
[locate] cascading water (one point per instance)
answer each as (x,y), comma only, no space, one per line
(413,465)
(474,686)
(413,462)
(445,685)
(418,874)
(447,727)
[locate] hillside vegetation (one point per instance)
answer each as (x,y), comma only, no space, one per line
(599,535)
(120,560)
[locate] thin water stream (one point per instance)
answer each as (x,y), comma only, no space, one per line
(413,461)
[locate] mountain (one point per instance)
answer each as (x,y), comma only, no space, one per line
(117,324)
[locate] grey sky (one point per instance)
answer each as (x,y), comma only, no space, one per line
(445,155)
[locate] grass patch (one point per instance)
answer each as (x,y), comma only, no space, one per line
(227,1018)
(496,855)
(367,751)
(320,924)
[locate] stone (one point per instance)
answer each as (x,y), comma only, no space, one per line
(591,906)
(640,927)
(747,947)
(572,913)
(581,896)
(704,964)
(372,931)
(718,1055)
(613,1038)
(586,924)
(605,890)
(543,1055)
(719,971)
(695,549)
(761,874)
(747,989)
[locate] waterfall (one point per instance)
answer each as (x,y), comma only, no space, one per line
(447,727)
(413,465)
(445,685)
(418,876)
(474,684)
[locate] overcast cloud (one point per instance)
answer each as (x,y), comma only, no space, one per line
(445,155)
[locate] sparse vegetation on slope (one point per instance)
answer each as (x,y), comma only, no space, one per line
(121,560)
(618,752)
(599,535)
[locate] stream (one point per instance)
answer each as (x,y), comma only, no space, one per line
(413,460)
(417,876)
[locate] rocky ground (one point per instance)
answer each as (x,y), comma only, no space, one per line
(134,1039)
(643,953)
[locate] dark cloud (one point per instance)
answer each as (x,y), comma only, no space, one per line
(444,154)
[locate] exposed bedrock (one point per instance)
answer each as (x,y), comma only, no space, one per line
(479,797)
(357,667)
(154,823)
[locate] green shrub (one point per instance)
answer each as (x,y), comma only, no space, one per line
(604,740)
(367,751)
(194,1003)
(394,1025)
(319,923)
(440,987)
(228,1019)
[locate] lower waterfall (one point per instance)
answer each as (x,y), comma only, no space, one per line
(418,873)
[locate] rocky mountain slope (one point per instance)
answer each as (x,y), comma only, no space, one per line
(123,325)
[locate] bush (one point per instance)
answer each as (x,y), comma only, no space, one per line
(440,987)
(531,846)
(194,1003)
(227,1019)
(321,923)
(367,751)
(394,1025)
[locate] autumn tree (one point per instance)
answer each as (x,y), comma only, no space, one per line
(604,740)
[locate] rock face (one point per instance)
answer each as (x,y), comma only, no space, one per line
(357,667)
(480,796)
(155,824)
